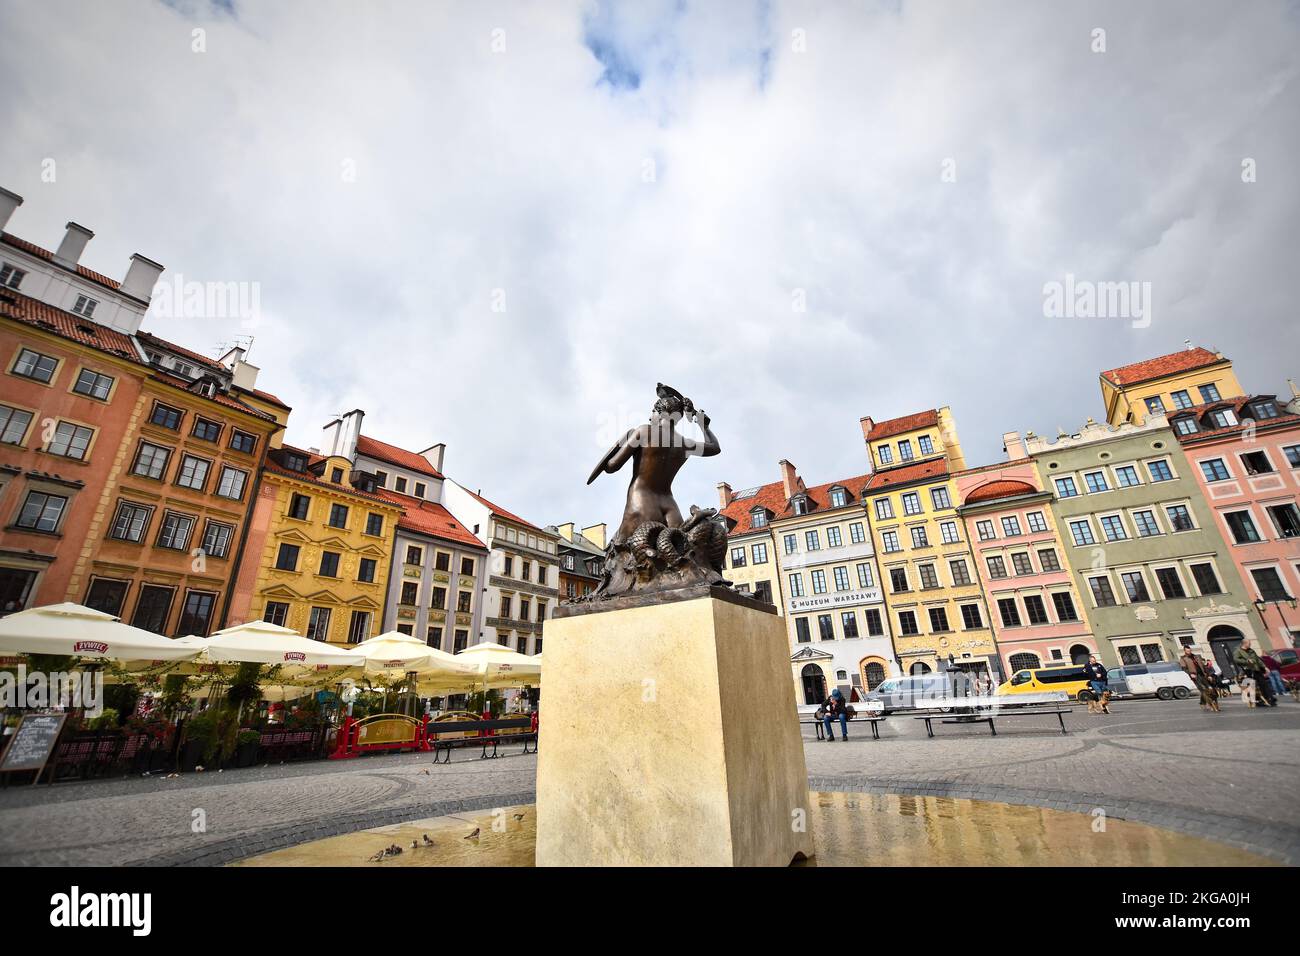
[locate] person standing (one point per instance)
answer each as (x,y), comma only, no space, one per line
(835,709)
(1204,679)
(1098,679)
(1246,659)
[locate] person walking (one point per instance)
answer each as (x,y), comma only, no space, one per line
(1098,679)
(1204,679)
(835,709)
(1246,659)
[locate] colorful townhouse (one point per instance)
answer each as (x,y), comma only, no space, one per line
(1245,455)
(319,549)
(819,551)
(938,615)
(751,558)
(439,566)
(1037,616)
(582,558)
(1162,385)
(126,461)
(523,575)
(1143,544)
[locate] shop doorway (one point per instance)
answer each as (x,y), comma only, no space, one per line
(1224,641)
(814,684)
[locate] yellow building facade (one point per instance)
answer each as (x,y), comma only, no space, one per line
(939,618)
(1163,385)
(318,557)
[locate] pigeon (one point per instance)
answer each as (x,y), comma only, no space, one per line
(414,845)
(198,769)
(424,773)
(474,834)
(427,841)
(378,857)
(519,816)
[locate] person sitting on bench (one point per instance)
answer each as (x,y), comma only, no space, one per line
(835,709)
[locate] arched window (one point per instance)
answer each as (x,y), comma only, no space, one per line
(875,674)
(1079,654)
(920,668)
(1023,661)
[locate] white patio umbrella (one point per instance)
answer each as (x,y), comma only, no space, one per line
(73,629)
(260,642)
(498,666)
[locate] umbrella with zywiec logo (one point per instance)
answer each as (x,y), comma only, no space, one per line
(79,631)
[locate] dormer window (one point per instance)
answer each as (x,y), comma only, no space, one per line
(295,462)
(758,518)
(1186,425)
(1223,418)
(1264,410)
(799,504)
(184,369)
(85,306)
(10,276)
(839,497)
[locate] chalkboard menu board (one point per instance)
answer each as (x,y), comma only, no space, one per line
(33,741)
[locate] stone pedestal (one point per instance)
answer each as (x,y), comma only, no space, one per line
(669,736)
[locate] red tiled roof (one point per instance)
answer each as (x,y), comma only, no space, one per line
(1000,489)
(34,250)
(771,497)
(33,312)
(431,518)
(906,474)
(907,423)
(148,338)
(498,510)
(275,466)
(1170,364)
(1238,405)
(374,448)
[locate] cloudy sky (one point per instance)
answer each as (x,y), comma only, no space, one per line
(499,224)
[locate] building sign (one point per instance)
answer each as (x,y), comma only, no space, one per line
(817,602)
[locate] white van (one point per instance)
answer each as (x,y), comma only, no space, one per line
(1164,680)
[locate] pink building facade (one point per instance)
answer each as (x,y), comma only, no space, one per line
(1036,613)
(1246,455)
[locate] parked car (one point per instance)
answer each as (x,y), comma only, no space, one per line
(1070,678)
(1286,661)
(914,690)
(1165,680)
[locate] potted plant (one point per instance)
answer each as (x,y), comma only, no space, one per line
(247,742)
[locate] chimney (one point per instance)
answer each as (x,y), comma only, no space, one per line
(73,245)
(1188,343)
(1293,406)
(1014,446)
(141,276)
(434,456)
(725,496)
(790,482)
(244,375)
(566,530)
(595,533)
(8,203)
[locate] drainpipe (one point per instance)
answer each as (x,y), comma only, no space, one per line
(243,541)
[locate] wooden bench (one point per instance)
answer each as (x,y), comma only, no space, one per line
(488,736)
(988,717)
(874,720)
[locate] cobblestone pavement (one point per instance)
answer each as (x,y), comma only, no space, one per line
(1231,777)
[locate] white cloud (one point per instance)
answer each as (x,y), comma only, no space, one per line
(774,171)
